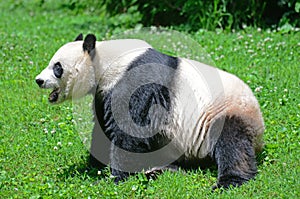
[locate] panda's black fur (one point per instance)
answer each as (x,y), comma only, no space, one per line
(141,101)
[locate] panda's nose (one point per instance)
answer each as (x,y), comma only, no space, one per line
(39,82)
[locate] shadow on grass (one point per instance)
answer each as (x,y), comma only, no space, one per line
(85,170)
(89,169)
(265,157)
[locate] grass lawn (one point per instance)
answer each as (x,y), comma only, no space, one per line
(41,156)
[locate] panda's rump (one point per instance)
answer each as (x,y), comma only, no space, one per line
(203,105)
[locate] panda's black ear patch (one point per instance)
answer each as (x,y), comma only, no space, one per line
(89,43)
(79,37)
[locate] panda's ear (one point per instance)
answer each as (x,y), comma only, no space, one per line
(79,37)
(89,43)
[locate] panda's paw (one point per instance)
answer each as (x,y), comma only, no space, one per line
(119,176)
(227,182)
(155,171)
(118,179)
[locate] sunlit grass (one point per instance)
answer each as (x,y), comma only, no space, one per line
(42,156)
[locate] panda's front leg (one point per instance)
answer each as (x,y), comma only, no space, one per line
(117,164)
(126,155)
(122,161)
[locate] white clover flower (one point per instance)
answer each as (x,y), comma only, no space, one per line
(240,37)
(267,39)
(59,144)
(45,130)
(55,148)
(134,188)
(285,90)
(219,48)
(284,164)
(53,131)
(258,89)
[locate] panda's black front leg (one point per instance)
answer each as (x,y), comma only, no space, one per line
(122,165)
(117,164)
(234,155)
(126,156)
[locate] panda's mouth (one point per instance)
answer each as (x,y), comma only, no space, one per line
(53,97)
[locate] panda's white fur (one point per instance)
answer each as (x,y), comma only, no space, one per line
(227,100)
(232,98)
(81,71)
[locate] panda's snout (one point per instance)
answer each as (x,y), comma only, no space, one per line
(39,81)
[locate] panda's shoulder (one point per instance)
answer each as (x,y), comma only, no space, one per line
(152,56)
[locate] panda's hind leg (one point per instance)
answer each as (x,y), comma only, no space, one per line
(234,154)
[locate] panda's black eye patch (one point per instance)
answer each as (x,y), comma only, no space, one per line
(58,70)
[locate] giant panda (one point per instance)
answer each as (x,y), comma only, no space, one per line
(154,111)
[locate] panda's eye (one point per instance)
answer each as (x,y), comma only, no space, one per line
(58,70)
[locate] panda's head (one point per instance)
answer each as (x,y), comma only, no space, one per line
(70,71)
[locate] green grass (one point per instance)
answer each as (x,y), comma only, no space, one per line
(41,156)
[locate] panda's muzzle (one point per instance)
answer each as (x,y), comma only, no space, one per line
(40,82)
(53,96)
